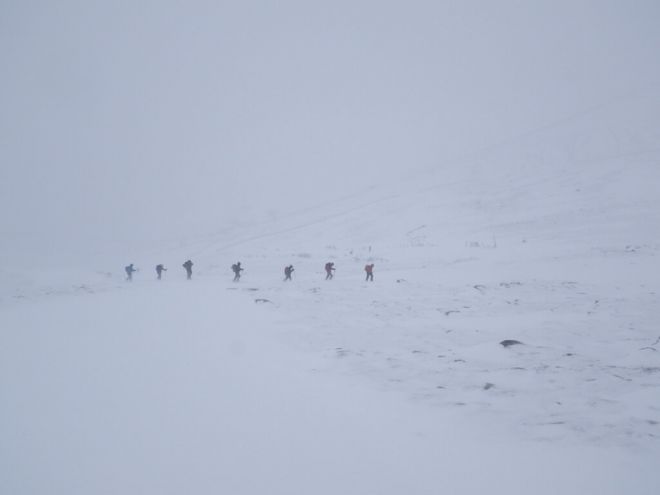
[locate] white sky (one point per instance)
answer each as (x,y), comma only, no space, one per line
(128,121)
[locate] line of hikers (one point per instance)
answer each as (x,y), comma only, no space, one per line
(130,270)
(237,269)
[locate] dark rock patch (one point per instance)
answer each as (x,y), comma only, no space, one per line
(510,342)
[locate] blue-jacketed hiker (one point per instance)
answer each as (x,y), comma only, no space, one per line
(329,268)
(236,268)
(188,266)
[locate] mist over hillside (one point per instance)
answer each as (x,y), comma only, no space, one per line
(127,125)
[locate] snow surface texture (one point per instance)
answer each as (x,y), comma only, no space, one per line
(397,386)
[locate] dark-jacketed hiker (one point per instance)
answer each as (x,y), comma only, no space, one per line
(129,272)
(236,268)
(370,272)
(329,268)
(159,270)
(188,266)
(288,270)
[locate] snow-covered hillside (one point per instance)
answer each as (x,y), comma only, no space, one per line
(397,386)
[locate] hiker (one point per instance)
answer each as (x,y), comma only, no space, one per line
(188,266)
(159,270)
(129,272)
(236,268)
(288,270)
(370,272)
(329,268)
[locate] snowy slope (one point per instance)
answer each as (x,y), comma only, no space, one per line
(400,386)
(185,388)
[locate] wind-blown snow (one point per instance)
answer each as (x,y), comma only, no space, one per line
(400,386)
(182,387)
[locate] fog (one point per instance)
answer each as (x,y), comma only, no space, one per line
(126,123)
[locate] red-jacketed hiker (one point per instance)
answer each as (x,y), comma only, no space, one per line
(370,272)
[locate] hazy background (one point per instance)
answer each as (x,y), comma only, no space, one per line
(124,123)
